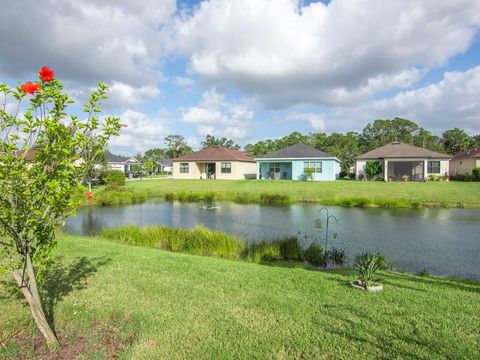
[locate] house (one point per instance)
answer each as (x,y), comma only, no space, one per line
(294,162)
(121,163)
(401,159)
(465,162)
(164,166)
(216,162)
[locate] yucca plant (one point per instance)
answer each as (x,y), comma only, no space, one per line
(366,265)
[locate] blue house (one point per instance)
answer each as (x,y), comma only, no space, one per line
(291,163)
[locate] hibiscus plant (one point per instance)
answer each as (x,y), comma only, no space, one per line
(45,154)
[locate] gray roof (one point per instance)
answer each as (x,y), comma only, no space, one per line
(297,151)
(473,153)
(401,150)
(112,158)
(165,162)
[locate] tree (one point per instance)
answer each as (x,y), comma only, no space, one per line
(455,141)
(156,153)
(211,140)
(41,169)
(382,132)
(176,146)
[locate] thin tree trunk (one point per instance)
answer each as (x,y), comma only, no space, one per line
(32,281)
(36,308)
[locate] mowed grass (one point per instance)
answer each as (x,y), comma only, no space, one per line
(341,193)
(152,304)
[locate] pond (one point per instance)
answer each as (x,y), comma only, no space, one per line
(442,241)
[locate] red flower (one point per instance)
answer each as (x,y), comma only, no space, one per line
(29,87)
(89,195)
(123,125)
(46,74)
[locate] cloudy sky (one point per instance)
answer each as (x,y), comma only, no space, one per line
(254,69)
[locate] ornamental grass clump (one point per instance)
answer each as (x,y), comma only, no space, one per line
(366,265)
(45,155)
(196,241)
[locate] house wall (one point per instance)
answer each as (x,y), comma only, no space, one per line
(197,170)
(463,166)
(294,169)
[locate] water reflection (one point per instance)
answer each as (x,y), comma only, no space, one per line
(444,241)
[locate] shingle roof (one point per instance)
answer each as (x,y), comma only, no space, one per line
(216,153)
(401,150)
(297,151)
(117,158)
(473,153)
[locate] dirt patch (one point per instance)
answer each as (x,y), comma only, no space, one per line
(109,341)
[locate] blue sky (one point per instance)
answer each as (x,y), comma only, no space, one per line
(255,69)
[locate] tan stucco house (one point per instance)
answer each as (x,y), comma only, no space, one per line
(398,159)
(465,162)
(216,162)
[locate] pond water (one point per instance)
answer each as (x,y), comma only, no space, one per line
(443,241)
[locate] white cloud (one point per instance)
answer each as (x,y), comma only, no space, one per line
(142,133)
(216,116)
(453,101)
(182,81)
(336,54)
(123,95)
(316,121)
(116,41)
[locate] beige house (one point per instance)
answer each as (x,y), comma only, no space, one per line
(465,162)
(398,159)
(215,162)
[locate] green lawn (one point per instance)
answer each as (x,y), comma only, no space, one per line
(109,299)
(343,193)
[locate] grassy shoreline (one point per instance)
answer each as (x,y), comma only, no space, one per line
(337,193)
(114,300)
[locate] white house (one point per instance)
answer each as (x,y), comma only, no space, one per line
(121,163)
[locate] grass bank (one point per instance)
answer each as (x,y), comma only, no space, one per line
(334,193)
(113,300)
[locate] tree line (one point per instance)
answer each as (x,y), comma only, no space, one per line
(345,146)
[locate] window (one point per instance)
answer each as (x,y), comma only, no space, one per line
(183,168)
(433,167)
(226,167)
(316,165)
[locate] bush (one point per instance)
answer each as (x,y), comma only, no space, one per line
(315,255)
(372,169)
(476,174)
(114,178)
(434,177)
(366,265)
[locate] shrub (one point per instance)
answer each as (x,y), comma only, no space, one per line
(372,169)
(476,174)
(290,248)
(366,265)
(315,255)
(114,178)
(434,177)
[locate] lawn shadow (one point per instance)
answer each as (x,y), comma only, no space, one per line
(61,278)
